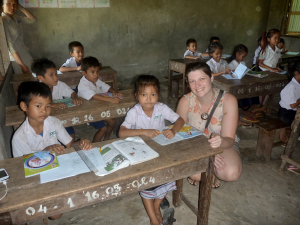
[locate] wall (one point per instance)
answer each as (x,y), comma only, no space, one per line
(137,37)
(277,16)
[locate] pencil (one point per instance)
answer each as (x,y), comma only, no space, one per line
(253,67)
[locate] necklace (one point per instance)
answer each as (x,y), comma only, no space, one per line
(204,115)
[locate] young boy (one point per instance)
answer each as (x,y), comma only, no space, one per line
(191,52)
(212,40)
(90,86)
(45,71)
(40,132)
(74,63)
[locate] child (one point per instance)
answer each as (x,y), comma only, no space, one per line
(213,40)
(281,46)
(74,63)
(239,53)
(217,65)
(256,53)
(45,71)
(89,87)
(145,118)
(40,132)
(290,100)
(191,52)
(270,54)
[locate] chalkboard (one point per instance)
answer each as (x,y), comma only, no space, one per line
(65,3)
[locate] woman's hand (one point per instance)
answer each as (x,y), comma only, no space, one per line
(24,68)
(219,162)
(215,140)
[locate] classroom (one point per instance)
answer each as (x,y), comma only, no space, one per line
(248,172)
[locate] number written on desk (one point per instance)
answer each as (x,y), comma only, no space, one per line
(88,118)
(122,111)
(105,113)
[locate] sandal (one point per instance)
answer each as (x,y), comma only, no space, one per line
(168,217)
(191,181)
(215,182)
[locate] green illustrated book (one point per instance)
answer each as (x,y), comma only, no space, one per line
(67,101)
(36,163)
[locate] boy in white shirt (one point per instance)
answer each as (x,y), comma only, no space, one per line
(191,52)
(90,86)
(45,71)
(40,132)
(74,63)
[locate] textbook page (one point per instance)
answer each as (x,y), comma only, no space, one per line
(114,160)
(240,71)
(135,149)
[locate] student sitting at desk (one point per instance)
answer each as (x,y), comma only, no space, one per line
(290,100)
(213,40)
(89,87)
(256,53)
(40,132)
(74,63)
(145,118)
(217,65)
(219,127)
(45,71)
(191,52)
(281,46)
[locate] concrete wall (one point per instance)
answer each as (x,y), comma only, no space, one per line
(135,37)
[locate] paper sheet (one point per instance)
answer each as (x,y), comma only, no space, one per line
(229,77)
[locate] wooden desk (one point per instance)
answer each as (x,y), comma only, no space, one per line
(107,75)
(249,86)
(89,111)
(285,59)
(179,65)
(29,200)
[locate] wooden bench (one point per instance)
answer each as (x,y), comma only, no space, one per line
(266,136)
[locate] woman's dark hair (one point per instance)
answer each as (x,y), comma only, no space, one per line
(265,36)
(240,49)
(144,81)
(197,66)
(214,46)
(40,66)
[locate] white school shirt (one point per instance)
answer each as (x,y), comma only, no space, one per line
(71,62)
(269,57)
(61,90)
(217,67)
(256,54)
(137,119)
(290,94)
(87,89)
(190,53)
(26,141)
(233,64)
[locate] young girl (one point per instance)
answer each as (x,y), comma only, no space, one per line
(270,54)
(145,118)
(281,46)
(217,65)
(239,53)
(290,100)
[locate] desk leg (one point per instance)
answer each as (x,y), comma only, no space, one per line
(205,194)
(169,86)
(5,219)
(176,194)
(269,104)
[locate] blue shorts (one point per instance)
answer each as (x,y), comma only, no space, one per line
(99,124)
(70,130)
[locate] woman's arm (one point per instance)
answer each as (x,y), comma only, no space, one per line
(18,59)
(182,108)
(26,12)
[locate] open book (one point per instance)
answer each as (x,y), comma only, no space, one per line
(122,153)
(187,131)
(66,101)
(36,163)
(258,74)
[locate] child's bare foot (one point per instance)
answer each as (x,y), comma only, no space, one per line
(158,215)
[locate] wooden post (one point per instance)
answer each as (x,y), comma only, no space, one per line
(265,143)
(169,84)
(176,194)
(205,193)
(269,105)
(289,149)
